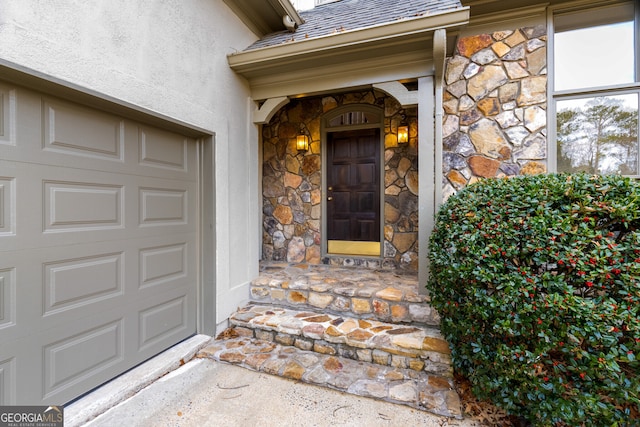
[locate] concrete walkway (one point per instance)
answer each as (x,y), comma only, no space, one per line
(204,392)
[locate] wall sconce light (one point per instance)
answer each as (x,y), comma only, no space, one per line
(302,141)
(403,131)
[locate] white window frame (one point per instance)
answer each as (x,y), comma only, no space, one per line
(553,96)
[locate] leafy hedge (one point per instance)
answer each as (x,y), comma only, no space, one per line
(537,281)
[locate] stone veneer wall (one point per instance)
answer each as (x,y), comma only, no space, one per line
(292,184)
(495,107)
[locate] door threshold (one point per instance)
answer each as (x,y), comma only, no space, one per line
(347,247)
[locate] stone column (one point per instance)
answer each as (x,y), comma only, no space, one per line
(495,107)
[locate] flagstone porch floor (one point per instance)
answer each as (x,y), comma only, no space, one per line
(362,331)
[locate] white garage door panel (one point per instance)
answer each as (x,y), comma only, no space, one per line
(161,149)
(7,114)
(101,348)
(101,275)
(7,381)
(111,275)
(161,320)
(162,264)
(7,205)
(162,206)
(78,206)
(98,254)
(60,136)
(72,130)
(7,296)
(33,361)
(82,205)
(150,279)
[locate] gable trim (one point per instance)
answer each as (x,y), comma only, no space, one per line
(250,63)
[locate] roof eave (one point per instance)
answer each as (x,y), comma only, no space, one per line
(264,17)
(250,62)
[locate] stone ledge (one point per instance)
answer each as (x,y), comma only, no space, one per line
(402,346)
(419,390)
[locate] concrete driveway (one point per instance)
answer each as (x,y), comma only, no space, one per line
(203,392)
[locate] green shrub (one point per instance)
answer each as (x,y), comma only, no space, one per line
(537,281)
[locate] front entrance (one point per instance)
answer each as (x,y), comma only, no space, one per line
(353,192)
(348,141)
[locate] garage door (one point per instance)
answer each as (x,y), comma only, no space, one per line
(98,232)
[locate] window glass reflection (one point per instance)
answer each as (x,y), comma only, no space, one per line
(594,56)
(598,135)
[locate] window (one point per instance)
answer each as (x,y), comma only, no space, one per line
(596,89)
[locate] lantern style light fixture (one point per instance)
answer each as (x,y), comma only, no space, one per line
(302,141)
(403,131)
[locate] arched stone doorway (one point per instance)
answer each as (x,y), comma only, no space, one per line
(294,183)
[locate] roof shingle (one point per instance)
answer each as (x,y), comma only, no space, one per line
(348,15)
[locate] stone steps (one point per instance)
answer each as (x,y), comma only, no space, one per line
(420,348)
(417,389)
(383,295)
(365,331)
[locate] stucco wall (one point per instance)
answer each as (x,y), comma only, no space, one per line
(169,57)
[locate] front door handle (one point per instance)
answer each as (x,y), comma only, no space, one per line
(329,198)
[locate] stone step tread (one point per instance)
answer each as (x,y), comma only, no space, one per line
(420,390)
(407,340)
(367,294)
(347,281)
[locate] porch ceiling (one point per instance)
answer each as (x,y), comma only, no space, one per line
(393,51)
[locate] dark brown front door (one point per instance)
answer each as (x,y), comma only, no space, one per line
(353,185)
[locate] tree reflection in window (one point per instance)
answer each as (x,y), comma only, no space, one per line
(598,135)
